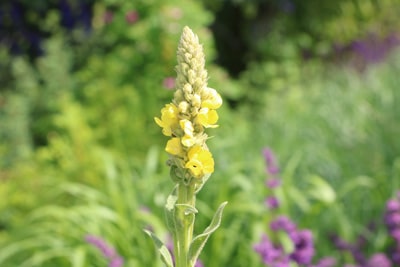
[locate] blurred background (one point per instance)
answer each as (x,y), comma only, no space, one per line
(81,81)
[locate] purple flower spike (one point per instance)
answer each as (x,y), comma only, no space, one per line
(107,251)
(272,167)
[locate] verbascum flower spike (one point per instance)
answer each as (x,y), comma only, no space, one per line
(184,120)
(193,109)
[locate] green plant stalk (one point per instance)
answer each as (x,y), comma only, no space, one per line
(184,233)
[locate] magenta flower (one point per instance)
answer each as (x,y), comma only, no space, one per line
(270,160)
(131,17)
(269,252)
(272,202)
(169,83)
(380,260)
(304,246)
(283,223)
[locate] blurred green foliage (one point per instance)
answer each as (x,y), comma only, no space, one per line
(80,153)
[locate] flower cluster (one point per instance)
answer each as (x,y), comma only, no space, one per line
(193,109)
(274,255)
(108,252)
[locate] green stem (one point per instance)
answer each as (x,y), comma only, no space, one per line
(185,220)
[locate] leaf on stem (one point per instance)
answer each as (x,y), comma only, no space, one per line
(199,241)
(164,252)
(188,212)
(170,210)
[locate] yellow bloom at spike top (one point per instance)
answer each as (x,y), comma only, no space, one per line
(193,109)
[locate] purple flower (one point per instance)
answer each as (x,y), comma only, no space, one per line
(339,243)
(169,83)
(392,218)
(99,243)
(304,246)
(395,255)
(283,223)
(269,253)
(198,263)
(270,160)
(380,260)
(131,17)
(116,262)
(272,202)
(393,205)
(107,251)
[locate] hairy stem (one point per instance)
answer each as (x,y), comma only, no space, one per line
(185,220)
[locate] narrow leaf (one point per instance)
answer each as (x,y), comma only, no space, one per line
(199,241)
(321,190)
(170,210)
(164,252)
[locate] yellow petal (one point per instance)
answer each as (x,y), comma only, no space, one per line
(169,119)
(200,161)
(174,146)
(212,99)
(207,117)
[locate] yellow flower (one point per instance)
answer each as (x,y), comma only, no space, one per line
(174,146)
(187,127)
(200,161)
(212,99)
(169,119)
(207,117)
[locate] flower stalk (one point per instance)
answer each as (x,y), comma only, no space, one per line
(184,121)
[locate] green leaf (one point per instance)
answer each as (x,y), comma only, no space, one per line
(355,183)
(298,197)
(199,241)
(78,257)
(170,210)
(285,241)
(164,252)
(321,190)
